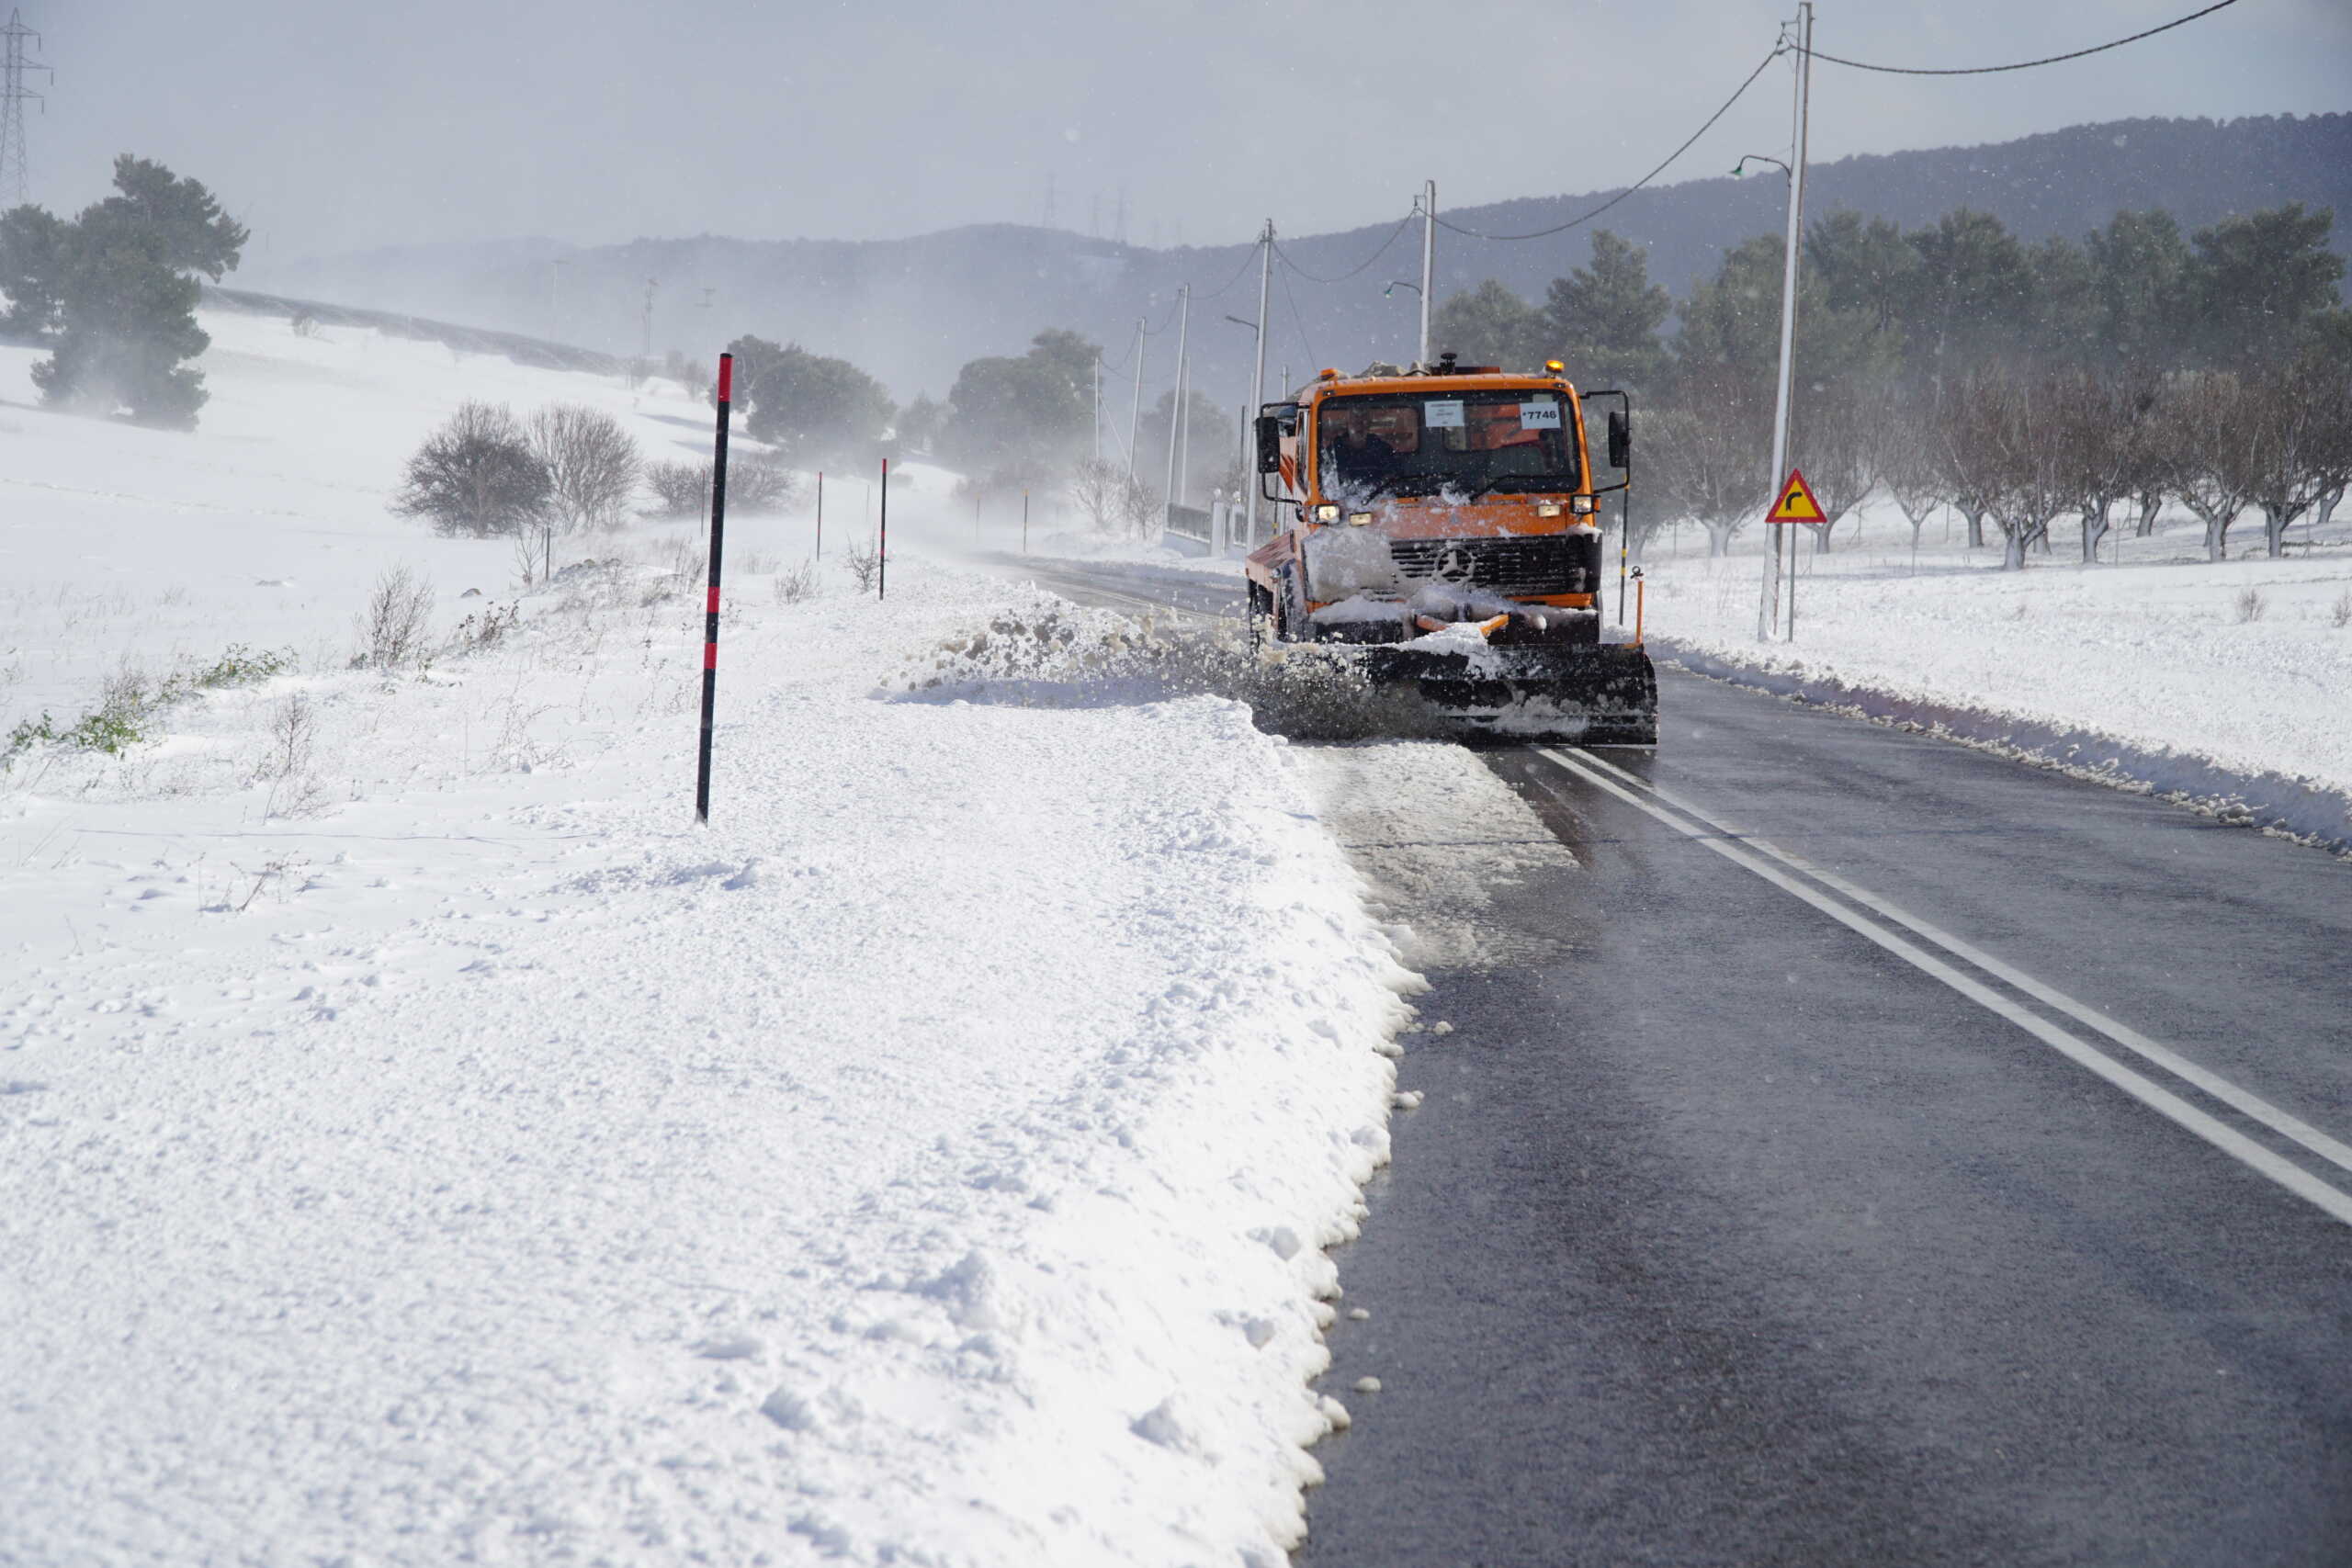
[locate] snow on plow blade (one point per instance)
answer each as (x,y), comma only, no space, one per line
(1587,695)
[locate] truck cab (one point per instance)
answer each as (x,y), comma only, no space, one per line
(1454,496)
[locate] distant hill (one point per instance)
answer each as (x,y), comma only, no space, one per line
(913,310)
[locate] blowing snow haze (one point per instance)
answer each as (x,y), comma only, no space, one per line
(339,128)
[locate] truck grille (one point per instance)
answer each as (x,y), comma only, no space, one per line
(1516,566)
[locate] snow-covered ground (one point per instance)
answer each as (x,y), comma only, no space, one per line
(424,1144)
(2163,651)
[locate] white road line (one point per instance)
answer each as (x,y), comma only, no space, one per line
(2336,1205)
(2250,1106)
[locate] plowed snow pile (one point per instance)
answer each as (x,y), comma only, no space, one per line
(424,1145)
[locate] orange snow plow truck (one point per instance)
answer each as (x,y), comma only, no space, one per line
(1445,521)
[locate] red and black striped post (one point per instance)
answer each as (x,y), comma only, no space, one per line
(882,548)
(710,604)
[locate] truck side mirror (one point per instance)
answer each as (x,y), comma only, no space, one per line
(1621,437)
(1270,443)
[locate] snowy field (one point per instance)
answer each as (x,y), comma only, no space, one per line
(425,1146)
(2246,663)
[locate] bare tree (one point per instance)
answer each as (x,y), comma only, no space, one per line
(1965,422)
(2206,439)
(2299,435)
(1903,455)
(1098,488)
(757,487)
(680,490)
(1707,461)
(593,465)
(2100,427)
(475,475)
(1999,434)
(1836,456)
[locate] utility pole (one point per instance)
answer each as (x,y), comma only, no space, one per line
(15,171)
(1183,420)
(1257,383)
(1768,605)
(1184,324)
(1429,260)
(1135,410)
(645,356)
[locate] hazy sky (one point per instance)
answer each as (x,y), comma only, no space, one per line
(335,126)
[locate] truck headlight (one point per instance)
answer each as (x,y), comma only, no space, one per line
(1580,504)
(1547,509)
(1326,513)
(1358,518)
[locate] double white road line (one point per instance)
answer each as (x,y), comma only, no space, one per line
(1871,916)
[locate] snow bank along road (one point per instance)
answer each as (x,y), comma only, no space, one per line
(1861,1150)
(419,1145)
(928,1162)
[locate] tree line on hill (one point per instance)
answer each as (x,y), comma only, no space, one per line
(1956,364)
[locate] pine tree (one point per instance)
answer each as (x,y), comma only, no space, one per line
(125,290)
(1604,319)
(1488,325)
(2259,281)
(2139,274)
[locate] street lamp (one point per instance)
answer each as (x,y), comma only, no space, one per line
(1741,167)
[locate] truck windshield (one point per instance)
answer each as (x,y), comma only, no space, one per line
(1468,443)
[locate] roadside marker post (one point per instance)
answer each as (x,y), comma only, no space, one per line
(882,544)
(821,514)
(1024,523)
(710,602)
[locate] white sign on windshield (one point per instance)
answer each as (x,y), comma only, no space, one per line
(1443,415)
(1540,413)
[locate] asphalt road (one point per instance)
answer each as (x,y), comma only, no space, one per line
(1904,1157)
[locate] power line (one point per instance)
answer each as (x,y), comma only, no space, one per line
(1248,257)
(2023,65)
(1401,225)
(1670,157)
(1299,323)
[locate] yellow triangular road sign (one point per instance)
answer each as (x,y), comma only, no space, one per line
(1796,503)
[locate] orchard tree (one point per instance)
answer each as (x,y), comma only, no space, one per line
(1708,453)
(2101,430)
(2205,432)
(2299,430)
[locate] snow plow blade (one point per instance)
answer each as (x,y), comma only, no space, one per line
(1587,695)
